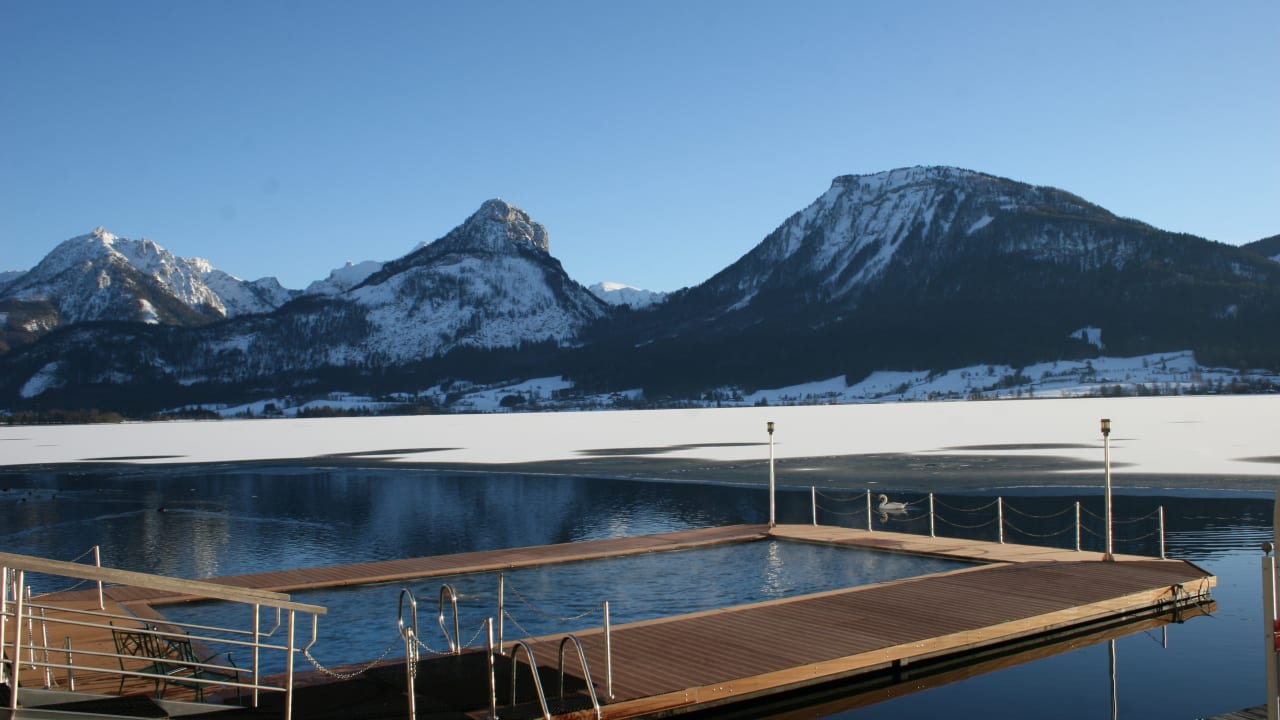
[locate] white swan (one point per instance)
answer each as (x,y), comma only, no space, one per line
(891,507)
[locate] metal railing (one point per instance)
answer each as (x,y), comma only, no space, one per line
(850,504)
(17,607)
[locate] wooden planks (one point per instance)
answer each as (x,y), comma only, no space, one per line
(739,653)
(944,547)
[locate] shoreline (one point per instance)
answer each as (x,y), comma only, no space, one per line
(983,475)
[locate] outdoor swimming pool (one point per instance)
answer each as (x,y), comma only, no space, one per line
(203,522)
(565,597)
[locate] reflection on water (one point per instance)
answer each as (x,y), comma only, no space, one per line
(203,522)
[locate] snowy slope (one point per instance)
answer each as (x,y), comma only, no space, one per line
(490,283)
(619,294)
(344,278)
(864,224)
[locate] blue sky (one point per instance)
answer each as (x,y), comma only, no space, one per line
(658,141)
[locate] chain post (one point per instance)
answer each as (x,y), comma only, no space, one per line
(868,509)
(608,653)
(1000,517)
(931,528)
(1077,526)
(502,612)
(1162,557)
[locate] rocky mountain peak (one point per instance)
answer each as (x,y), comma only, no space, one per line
(497,223)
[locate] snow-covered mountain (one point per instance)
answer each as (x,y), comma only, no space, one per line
(618,294)
(936,267)
(344,278)
(100,276)
(907,272)
(489,283)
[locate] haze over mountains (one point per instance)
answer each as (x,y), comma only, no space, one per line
(912,269)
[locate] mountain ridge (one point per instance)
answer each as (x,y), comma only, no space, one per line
(918,269)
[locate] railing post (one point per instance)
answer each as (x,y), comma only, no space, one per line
(257,645)
(608,653)
(288,669)
(493,684)
(71,676)
(772,486)
(97,562)
(1269,630)
(502,588)
(1077,526)
(31,633)
(4,620)
(44,643)
(15,660)
(931,529)
(1162,532)
(868,509)
(1000,517)
(813,499)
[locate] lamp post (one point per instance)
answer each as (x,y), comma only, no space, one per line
(1106,463)
(772,520)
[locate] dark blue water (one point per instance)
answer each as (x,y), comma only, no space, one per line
(204,522)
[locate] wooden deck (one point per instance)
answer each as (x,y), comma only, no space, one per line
(738,654)
(1253,713)
(1017,594)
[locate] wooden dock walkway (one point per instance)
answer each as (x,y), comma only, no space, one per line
(737,654)
(1015,593)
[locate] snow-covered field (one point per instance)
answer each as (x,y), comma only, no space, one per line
(1169,373)
(1201,435)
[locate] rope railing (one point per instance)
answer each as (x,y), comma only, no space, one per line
(1001,513)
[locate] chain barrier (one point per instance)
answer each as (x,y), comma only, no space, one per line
(77,559)
(546,615)
(355,673)
(858,497)
(1064,530)
(515,622)
(860,512)
(1050,516)
(958,509)
(1148,516)
(965,527)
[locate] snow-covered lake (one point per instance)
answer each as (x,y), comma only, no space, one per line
(1231,438)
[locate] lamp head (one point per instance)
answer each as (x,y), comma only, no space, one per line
(769,425)
(1106,427)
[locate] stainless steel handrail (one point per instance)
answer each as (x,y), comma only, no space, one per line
(533,667)
(455,640)
(586,672)
(15,609)
(411,653)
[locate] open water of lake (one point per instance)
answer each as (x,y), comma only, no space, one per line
(211,521)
